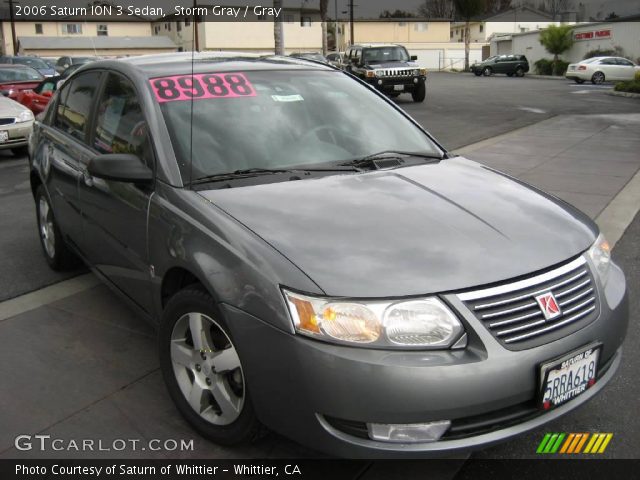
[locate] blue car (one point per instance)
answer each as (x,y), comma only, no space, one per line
(34,62)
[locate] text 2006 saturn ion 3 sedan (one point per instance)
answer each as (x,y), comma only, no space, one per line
(316,263)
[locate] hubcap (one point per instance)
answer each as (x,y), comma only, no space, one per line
(46,227)
(207,368)
(598,77)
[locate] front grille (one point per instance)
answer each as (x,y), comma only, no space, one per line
(7,120)
(514,317)
(395,72)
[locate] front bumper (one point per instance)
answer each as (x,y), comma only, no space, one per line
(18,134)
(300,386)
(388,84)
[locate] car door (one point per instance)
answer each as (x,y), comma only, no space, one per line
(626,69)
(609,67)
(62,148)
(114,214)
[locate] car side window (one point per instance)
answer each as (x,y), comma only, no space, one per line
(74,109)
(120,123)
(626,63)
(608,61)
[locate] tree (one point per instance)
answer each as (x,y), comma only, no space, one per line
(468,9)
(324,7)
(440,9)
(556,39)
(278,30)
(397,14)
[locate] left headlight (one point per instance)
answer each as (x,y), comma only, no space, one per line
(417,323)
(600,254)
(24,116)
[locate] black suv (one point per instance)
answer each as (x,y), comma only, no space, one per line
(512,65)
(389,68)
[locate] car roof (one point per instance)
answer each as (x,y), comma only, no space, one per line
(15,65)
(182,63)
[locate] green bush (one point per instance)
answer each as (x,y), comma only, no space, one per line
(544,66)
(614,52)
(632,86)
(637,76)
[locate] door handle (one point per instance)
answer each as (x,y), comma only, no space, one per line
(88,179)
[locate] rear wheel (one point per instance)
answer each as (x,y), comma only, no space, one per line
(597,78)
(519,72)
(420,93)
(202,369)
(486,71)
(58,255)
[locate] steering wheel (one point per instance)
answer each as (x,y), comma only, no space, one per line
(332,133)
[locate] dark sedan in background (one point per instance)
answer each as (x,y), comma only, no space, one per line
(317,263)
(510,65)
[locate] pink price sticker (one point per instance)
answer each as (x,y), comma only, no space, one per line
(201,86)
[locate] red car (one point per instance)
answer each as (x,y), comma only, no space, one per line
(14,78)
(37,98)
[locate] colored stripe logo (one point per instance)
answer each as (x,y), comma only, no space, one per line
(572,443)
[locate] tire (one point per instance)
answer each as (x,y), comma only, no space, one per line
(420,93)
(220,407)
(20,151)
(519,72)
(578,80)
(597,78)
(477,73)
(509,74)
(56,251)
(486,71)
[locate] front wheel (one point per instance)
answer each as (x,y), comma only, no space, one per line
(420,93)
(202,369)
(597,78)
(58,255)
(519,72)
(486,71)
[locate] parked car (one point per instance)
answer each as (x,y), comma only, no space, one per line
(511,65)
(601,69)
(34,62)
(14,78)
(336,59)
(38,98)
(315,56)
(389,68)
(65,62)
(16,124)
(317,262)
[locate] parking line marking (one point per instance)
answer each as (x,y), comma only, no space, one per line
(38,298)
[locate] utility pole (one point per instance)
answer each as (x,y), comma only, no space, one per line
(351,5)
(196,18)
(13,26)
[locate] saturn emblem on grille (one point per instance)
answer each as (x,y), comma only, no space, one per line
(549,305)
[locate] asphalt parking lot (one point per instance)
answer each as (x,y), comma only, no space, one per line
(96,365)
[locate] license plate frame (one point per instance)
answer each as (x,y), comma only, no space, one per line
(578,362)
(4,136)
(398,88)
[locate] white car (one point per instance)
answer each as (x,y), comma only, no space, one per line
(16,124)
(601,69)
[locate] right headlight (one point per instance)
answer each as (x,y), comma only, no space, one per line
(600,254)
(417,323)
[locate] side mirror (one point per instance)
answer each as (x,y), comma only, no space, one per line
(414,58)
(120,167)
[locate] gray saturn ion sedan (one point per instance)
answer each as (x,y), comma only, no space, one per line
(315,262)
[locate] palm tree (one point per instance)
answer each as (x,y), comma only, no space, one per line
(324,7)
(278,30)
(556,39)
(467,9)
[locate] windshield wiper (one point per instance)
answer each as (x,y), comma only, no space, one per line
(254,172)
(370,160)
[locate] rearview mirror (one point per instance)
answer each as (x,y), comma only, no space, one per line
(120,167)
(414,58)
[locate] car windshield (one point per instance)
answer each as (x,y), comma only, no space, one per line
(31,62)
(302,119)
(385,54)
(19,75)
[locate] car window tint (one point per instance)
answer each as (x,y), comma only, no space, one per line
(59,108)
(73,113)
(625,62)
(120,123)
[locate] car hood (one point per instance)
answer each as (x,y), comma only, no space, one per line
(410,231)
(10,108)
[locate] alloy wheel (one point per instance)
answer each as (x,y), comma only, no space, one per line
(598,78)
(47,233)
(207,368)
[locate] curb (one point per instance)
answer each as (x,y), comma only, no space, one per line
(546,77)
(624,94)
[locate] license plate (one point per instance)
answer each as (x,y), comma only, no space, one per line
(567,377)
(4,135)
(398,88)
